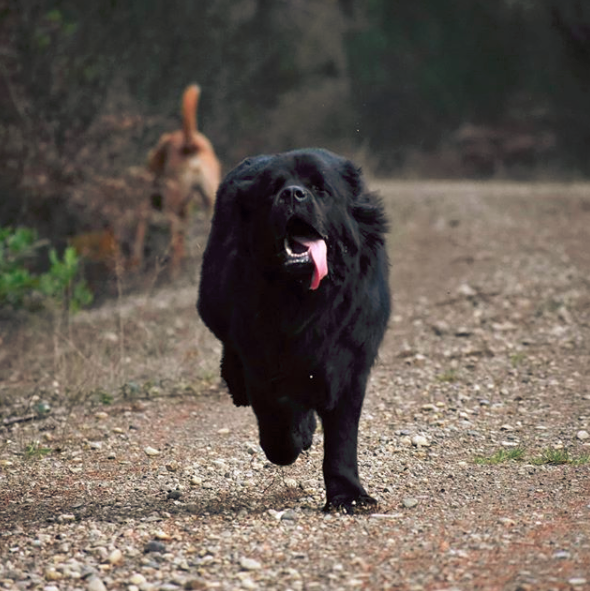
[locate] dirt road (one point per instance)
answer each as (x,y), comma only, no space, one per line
(138,473)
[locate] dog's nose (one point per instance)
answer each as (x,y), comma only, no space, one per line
(294,192)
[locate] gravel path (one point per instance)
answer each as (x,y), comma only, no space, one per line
(124,465)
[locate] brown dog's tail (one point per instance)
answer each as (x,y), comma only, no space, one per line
(190,100)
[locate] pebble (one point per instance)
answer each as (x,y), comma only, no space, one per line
(420,441)
(577,581)
(196,584)
(410,502)
(116,556)
(154,546)
(250,564)
(150,451)
(289,515)
(583,435)
(137,579)
(95,584)
(52,575)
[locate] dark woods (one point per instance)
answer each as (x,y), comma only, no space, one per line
(450,89)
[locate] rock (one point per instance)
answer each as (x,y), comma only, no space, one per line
(466,290)
(250,564)
(289,515)
(95,584)
(409,502)
(137,579)
(172,466)
(52,575)
(116,557)
(192,584)
(583,435)
(150,451)
(420,441)
(154,546)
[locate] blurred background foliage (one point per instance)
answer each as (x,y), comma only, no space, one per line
(458,88)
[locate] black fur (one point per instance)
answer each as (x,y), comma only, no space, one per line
(290,351)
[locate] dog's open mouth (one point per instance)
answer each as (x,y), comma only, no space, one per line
(303,245)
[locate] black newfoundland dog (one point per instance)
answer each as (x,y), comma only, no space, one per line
(294,284)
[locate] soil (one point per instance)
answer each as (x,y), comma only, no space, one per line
(124,465)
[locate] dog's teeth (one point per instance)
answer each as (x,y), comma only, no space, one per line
(295,255)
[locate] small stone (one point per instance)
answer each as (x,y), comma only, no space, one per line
(195,584)
(172,466)
(250,564)
(196,481)
(95,445)
(150,451)
(174,495)
(154,546)
(116,557)
(66,517)
(101,415)
(223,431)
(420,441)
(583,435)
(52,575)
(137,579)
(95,584)
(577,581)
(162,535)
(466,290)
(289,515)
(290,483)
(409,502)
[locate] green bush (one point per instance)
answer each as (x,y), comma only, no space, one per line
(20,287)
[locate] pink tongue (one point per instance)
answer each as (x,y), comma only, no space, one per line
(318,251)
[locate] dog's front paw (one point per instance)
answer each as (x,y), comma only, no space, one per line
(351,505)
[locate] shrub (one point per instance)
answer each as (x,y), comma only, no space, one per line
(21,288)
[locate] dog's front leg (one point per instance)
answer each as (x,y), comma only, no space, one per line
(344,490)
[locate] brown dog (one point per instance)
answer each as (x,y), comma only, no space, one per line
(183,163)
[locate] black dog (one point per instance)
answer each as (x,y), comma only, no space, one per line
(294,284)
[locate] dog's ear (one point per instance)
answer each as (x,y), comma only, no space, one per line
(353,176)
(242,180)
